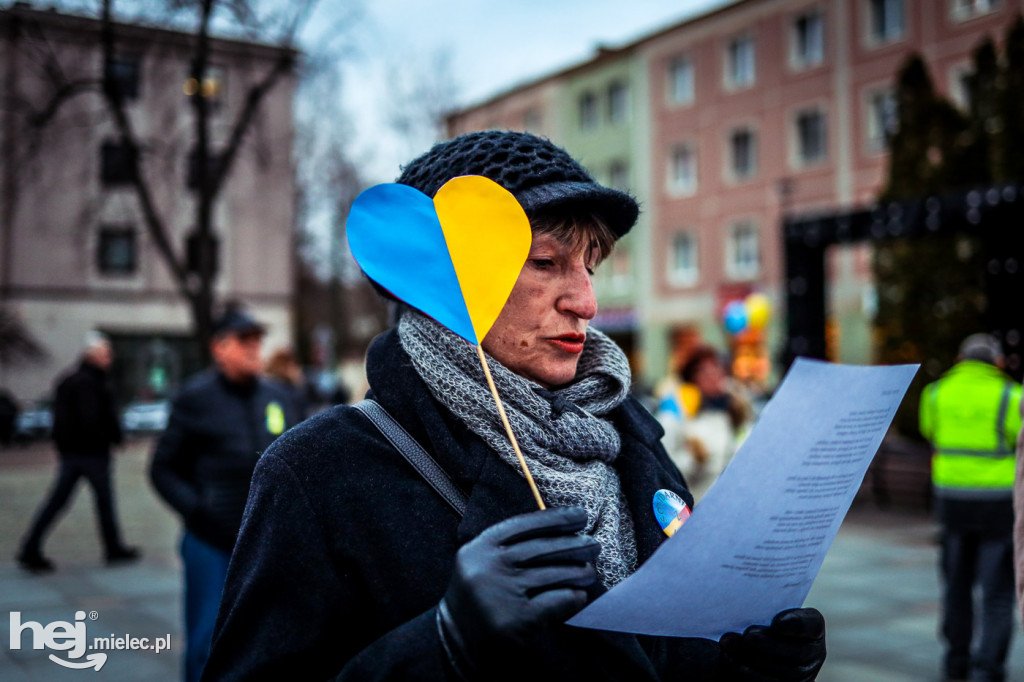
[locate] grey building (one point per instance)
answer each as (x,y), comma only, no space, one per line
(75,252)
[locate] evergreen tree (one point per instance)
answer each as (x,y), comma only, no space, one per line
(931,288)
(1012,103)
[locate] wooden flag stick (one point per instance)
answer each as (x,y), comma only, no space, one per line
(508,427)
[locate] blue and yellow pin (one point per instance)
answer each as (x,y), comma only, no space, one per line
(671,511)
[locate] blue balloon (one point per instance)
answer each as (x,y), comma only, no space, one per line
(735,317)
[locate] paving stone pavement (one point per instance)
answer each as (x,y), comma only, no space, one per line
(141,600)
(877,588)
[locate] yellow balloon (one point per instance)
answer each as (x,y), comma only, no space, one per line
(759,310)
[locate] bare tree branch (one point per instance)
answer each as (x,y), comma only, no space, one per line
(66,91)
(155,225)
(16,343)
(245,117)
(192,280)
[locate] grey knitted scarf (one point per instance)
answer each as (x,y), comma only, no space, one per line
(563,434)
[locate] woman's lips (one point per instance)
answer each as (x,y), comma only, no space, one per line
(570,343)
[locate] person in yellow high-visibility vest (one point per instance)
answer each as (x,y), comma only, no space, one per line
(971,416)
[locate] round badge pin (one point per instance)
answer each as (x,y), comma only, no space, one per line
(670,510)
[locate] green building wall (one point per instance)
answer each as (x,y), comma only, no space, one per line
(600,147)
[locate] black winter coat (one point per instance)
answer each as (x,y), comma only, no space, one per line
(345,550)
(85,420)
(204,460)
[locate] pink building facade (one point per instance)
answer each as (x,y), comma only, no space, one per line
(760,109)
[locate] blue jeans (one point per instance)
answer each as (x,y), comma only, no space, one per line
(206,568)
(970,559)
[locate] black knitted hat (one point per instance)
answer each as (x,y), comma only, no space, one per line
(541,176)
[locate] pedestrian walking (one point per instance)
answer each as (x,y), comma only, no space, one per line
(85,427)
(220,423)
(8,417)
(350,565)
(971,416)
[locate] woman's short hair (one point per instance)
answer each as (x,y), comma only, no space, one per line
(580,232)
(281,364)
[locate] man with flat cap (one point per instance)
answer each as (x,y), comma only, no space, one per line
(220,423)
(971,416)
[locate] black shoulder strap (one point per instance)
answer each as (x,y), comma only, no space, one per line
(414,453)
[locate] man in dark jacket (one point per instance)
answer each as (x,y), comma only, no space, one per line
(220,423)
(85,425)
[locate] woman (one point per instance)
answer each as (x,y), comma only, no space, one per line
(349,566)
(284,370)
(704,420)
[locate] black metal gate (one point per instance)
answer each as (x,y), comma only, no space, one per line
(995,214)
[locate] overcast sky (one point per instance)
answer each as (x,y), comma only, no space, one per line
(497,44)
(491,45)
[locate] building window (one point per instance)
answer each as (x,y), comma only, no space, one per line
(743,252)
(115,253)
(683,267)
(212,89)
(882,119)
(117,164)
(682,170)
(742,153)
(620,269)
(808,45)
(885,20)
(124,74)
(618,175)
(962,10)
(811,138)
(618,102)
(588,110)
(739,70)
(680,81)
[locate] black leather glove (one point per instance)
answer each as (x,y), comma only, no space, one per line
(511,582)
(791,649)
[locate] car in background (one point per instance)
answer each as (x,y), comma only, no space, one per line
(144,418)
(34,422)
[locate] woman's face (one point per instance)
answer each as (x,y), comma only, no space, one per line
(540,331)
(710,378)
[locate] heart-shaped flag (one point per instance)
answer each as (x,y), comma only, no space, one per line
(455,257)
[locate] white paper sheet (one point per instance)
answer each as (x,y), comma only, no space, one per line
(757,540)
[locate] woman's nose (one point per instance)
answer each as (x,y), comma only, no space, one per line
(578,297)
